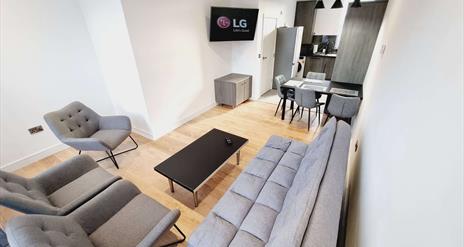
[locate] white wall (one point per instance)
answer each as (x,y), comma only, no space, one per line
(330,21)
(176,62)
(47,61)
(407,177)
(107,27)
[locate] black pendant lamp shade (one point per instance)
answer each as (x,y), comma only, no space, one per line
(356,4)
(337,5)
(320,4)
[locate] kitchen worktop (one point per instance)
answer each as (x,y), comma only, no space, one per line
(334,55)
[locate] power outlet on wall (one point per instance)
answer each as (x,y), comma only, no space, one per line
(35,130)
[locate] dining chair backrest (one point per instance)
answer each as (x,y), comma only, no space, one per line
(343,107)
(305,97)
(315,75)
(278,81)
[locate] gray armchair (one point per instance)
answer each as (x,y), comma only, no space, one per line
(78,126)
(57,191)
(343,107)
(119,216)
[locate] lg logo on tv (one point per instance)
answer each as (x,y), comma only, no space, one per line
(224,22)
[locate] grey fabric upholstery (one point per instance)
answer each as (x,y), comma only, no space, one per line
(58,190)
(278,81)
(315,75)
(42,230)
(83,129)
(276,197)
(305,97)
(119,216)
(343,107)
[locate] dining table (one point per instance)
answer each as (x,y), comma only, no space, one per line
(325,87)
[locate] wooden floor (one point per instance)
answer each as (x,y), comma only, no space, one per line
(253,120)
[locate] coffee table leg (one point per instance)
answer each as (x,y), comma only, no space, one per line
(238,157)
(171,185)
(195,199)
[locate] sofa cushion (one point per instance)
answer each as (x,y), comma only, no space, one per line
(248,185)
(259,221)
(233,208)
(243,238)
(260,168)
(41,230)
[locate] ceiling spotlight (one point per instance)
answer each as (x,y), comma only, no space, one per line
(320,4)
(337,5)
(356,4)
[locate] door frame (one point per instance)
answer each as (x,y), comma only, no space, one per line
(262,50)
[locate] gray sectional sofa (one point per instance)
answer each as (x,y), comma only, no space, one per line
(289,195)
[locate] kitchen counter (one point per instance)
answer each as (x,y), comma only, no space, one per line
(334,55)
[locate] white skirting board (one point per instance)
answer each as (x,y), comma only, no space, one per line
(17,164)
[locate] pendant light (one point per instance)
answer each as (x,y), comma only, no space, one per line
(337,5)
(356,4)
(320,4)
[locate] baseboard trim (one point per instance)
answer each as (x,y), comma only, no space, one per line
(184,120)
(27,160)
(143,133)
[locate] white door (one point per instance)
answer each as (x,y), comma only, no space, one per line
(268,43)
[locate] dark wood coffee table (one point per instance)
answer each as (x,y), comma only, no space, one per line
(192,166)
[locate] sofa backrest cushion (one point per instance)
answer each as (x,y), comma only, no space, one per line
(291,223)
(75,120)
(323,226)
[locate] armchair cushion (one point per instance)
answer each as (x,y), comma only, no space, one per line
(84,144)
(111,139)
(41,230)
(115,122)
(58,190)
(108,217)
(23,195)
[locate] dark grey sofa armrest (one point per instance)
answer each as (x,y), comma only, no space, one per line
(164,225)
(115,122)
(103,206)
(64,173)
(88,143)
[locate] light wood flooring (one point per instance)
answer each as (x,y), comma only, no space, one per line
(253,120)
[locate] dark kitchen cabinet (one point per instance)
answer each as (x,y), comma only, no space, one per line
(320,64)
(357,42)
(304,17)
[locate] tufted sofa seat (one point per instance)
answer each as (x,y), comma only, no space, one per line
(120,216)
(289,195)
(58,190)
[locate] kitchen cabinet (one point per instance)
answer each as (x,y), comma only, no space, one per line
(357,42)
(320,64)
(304,17)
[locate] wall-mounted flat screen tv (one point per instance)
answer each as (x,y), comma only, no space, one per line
(229,24)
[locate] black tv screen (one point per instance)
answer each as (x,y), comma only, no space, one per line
(229,24)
